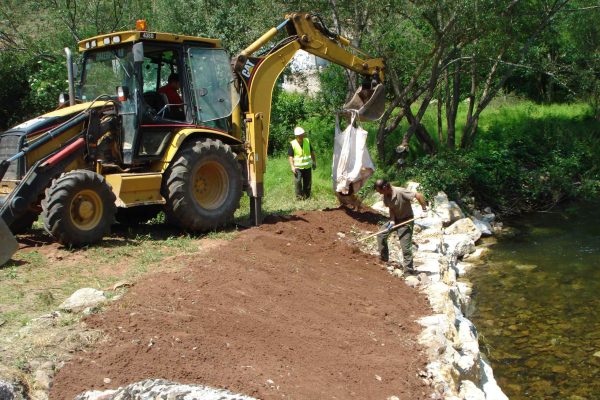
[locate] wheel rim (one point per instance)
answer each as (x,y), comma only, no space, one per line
(210,185)
(86,210)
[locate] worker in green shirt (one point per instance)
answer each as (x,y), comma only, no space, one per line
(398,199)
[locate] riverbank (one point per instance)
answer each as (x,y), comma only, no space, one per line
(446,240)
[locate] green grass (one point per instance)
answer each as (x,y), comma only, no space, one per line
(280,198)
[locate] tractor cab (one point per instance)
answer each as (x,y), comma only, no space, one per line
(163,83)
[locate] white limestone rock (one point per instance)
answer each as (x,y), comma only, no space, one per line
(412,281)
(430,222)
(430,245)
(437,328)
(464,226)
(439,298)
(464,292)
(476,255)
(458,245)
(468,346)
(488,383)
(469,391)
(463,267)
(151,389)
(447,210)
(485,227)
(43,379)
(82,299)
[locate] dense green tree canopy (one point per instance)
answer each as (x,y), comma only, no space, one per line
(447,51)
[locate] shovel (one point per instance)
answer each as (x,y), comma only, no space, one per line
(390,230)
(368,102)
(8,243)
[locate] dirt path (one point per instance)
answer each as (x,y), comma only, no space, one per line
(286,310)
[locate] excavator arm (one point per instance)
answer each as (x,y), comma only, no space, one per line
(259,73)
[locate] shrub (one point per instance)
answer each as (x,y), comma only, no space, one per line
(528,157)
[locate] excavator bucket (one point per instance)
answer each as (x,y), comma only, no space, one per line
(8,243)
(369,103)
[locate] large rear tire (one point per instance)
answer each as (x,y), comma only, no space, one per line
(79,208)
(203,186)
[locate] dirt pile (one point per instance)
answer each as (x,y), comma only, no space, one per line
(287,309)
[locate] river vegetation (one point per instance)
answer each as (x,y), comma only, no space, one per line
(497,100)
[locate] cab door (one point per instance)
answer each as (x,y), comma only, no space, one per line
(161,117)
(212,86)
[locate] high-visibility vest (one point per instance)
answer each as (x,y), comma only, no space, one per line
(302,159)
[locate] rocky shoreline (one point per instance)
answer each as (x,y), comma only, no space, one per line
(446,241)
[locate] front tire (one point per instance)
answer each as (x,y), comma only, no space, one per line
(203,186)
(79,208)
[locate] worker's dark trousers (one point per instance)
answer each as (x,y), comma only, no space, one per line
(303,182)
(405,236)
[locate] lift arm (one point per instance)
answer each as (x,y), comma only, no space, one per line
(259,74)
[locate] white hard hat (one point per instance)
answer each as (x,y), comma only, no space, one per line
(298,131)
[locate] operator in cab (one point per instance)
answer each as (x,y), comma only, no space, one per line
(302,161)
(171,91)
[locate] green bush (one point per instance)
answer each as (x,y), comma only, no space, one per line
(14,90)
(288,110)
(527,157)
(47,81)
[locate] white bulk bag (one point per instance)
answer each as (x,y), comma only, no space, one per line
(352,164)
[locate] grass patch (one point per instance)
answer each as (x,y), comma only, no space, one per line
(280,198)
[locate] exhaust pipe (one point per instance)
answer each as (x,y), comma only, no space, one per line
(70,76)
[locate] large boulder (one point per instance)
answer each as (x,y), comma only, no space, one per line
(488,383)
(430,223)
(151,389)
(447,210)
(82,299)
(484,226)
(458,245)
(464,226)
(468,346)
(470,391)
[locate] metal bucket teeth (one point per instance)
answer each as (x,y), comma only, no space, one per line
(369,103)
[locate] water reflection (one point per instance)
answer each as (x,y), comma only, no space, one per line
(538,306)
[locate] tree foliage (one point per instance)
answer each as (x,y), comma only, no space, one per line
(438,53)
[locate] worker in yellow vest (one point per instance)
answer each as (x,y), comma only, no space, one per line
(302,160)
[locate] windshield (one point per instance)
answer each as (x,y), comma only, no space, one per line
(104,71)
(212,81)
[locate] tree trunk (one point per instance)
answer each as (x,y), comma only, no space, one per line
(452,106)
(380,142)
(416,128)
(467,129)
(439,117)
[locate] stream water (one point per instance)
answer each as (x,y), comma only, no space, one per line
(537,305)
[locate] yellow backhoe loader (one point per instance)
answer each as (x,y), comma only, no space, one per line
(118,149)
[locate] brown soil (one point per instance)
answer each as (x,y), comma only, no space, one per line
(287,309)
